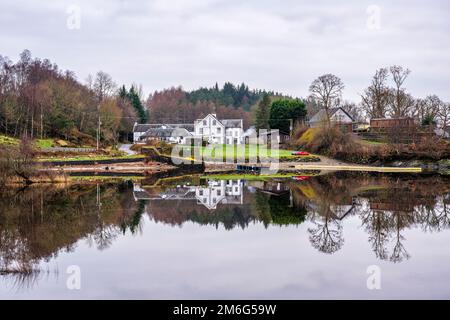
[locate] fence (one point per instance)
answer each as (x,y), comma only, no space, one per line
(64,149)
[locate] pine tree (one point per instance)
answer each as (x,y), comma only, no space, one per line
(135,100)
(262,113)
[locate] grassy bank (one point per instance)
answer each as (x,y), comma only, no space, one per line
(222,152)
(89,157)
(336,144)
(256,177)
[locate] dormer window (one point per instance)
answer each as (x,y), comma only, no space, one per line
(204,122)
(214,122)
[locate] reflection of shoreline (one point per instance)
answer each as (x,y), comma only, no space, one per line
(37,223)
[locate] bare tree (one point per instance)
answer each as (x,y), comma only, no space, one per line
(327,91)
(103,85)
(375,99)
(428,108)
(401,102)
(443,116)
(353,110)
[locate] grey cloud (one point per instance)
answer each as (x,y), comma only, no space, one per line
(279,45)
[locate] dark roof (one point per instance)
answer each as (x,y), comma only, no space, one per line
(321,115)
(165,132)
(262,133)
(147,126)
(232,123)
(158,132)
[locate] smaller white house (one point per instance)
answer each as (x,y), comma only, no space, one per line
(171,133)
(225,131)
(337,116)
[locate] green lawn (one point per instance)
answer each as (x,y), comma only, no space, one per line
(219,152)
(40,143)
(370,142)
(253,177)
(94,157)
(8,141)
(44,143)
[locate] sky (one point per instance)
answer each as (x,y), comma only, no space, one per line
(274,45)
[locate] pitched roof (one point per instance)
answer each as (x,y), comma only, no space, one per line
(147,126)
(232,123)
(321,115)
(227,123)
(165,133)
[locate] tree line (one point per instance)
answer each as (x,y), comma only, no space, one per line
(39,100)
(385,97)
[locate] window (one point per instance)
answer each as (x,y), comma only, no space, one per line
(201,130)
(214,122)
(204,122)
(219,130)
(219,193)
(200,192)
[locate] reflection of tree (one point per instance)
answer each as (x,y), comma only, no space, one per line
(386,205)
(37,223)
(327,235)
(277,209)
(399,252)
(399,206)
(437,216)
(376,224)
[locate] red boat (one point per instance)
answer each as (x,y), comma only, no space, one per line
(300,153)
(300,178)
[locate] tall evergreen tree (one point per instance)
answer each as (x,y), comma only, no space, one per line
(263,113)
(135,100)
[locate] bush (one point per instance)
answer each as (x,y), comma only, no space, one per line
(332,142)
(17,162)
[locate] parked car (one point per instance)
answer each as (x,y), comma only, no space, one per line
(300,153)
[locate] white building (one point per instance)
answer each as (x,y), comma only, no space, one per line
(337,115)
(171,133)
(226,131)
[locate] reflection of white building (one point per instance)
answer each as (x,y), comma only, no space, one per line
(216,192)
(220,191)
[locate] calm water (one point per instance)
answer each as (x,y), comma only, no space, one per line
(229,239)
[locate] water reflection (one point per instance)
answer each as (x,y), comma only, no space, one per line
(38,223)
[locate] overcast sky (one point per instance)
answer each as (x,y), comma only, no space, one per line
(277,45)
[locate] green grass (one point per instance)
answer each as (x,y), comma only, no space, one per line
(44,143)
(104,179)
(219,152)
(8,141)
(253,177)
(96,157)
(370,142)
